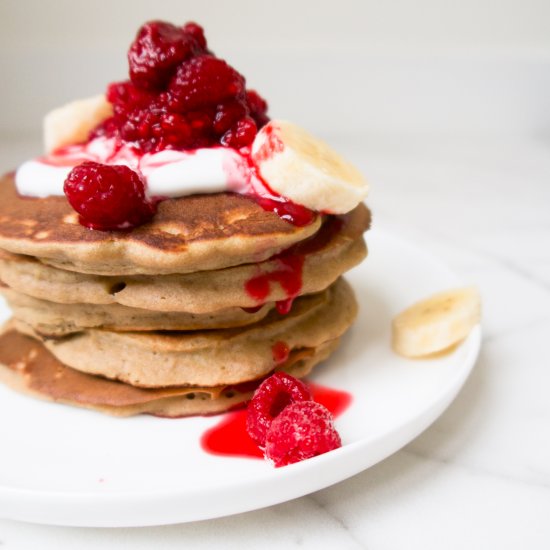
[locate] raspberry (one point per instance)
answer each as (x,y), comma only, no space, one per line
(258,107)
(159,48)
(108,197)
(271,397)
(241,135)
(197,32)
(125,97)
(205,80)
(228,114)
(180,96)
(303,430)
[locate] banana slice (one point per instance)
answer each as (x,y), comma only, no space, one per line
(306,170)
(436,323)
(72,122)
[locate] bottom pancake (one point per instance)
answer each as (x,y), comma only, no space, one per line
(28,367)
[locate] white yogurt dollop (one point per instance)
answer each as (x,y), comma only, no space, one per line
(176,173)
(36,179)
(167,173)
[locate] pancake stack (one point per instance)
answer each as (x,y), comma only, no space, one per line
(183,315)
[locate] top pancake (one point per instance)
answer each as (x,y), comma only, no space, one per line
(335,248)
(194,233)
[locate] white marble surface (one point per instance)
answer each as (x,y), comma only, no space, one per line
(480,476)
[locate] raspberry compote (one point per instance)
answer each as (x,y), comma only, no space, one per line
(180,95)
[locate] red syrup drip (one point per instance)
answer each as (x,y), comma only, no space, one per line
(229,436)
(270,200)
(289,272)
(284,306)
(288,275)
(296,214)
(280,352)
(272,144)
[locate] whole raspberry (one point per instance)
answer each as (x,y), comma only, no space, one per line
(159,48)
(108,197)
(228,114)
(125,97)
(197,32)
(205,80)
(271,397)
(241,135)
(303,430)
(258,107)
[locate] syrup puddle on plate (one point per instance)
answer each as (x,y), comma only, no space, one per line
(229,437)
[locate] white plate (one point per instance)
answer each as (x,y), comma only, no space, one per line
(67,466)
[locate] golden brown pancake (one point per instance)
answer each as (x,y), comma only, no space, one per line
(337,247)
(27,366)
(207,358)
(198,232)
(55,320)
(151,320)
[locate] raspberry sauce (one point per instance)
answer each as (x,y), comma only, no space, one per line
(288,274)
(180,95)
(229,437)
(272,145)
(290,266)
(284,306)
(280,352)
(296,214)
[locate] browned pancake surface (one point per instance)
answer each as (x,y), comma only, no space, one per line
(189,233)
(335,248)
(46,375)
(27,366)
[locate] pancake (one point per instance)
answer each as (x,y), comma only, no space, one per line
(28,367)
(198,232)
(207,358)
(55,320)
(337,247)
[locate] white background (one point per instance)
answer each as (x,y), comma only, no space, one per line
(338,67)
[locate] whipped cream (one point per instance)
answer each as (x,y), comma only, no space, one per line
(167,173)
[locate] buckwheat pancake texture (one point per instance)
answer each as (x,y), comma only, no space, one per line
(28,367)
(337,247)
(206,358)
(199,232)
(54,320)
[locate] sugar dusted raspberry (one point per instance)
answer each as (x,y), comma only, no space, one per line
(271,397)
(159,48)
(302,430)
(205,80)
(108,197)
